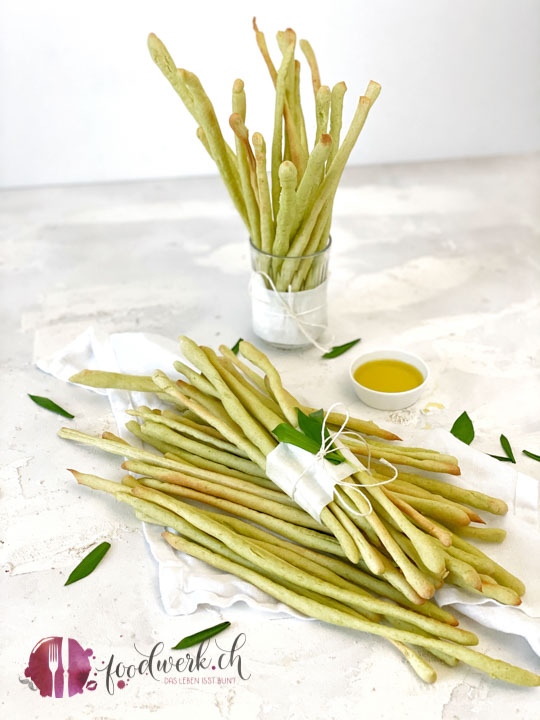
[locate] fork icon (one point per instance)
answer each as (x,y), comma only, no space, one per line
(53,665)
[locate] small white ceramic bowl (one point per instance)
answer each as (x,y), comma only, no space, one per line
(389,400)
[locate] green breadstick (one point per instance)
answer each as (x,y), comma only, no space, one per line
(368,554)
(267,401)
(311,180)
(322,111)
(242,133)
(195,378)
(176,477)
(447,659)
(452,492)
(148,512)
(252,429)
(282,397)
(354,574)
(312,567)
(239,99)
(204,140)
(426,546)
(261,43)
(207,119)
(321,233)
(210,472)
(171,437)
(113,380)
(299,115)
(306,536)
(437,510)
(215,494)
(256,474)
(270,563)
(288,177)
(268,418)
(306,265)
(330,182)
(197,103)
(415,577)
(333,523)
(496,668)
(186,420)
(265,202)
(336,117)
(212,404)
(256,379)
(185,429)
(135,429)
(495,535)
(281,83)
(312,62)
(369,602)
(121,448)
(247,178)
(293,145)
(162,58)
(227,427)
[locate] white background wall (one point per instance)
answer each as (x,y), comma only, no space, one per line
(81,100)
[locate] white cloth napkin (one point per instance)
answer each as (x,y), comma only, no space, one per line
(186,583)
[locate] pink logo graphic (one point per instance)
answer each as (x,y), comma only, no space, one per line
(59,667)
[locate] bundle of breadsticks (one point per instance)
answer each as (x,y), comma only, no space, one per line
(376,558)
(291,215)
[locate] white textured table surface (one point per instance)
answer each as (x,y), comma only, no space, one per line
(442,259)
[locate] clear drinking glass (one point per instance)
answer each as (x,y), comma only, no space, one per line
(288,296)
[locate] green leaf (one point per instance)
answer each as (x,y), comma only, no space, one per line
(89,563)
(312,425)
(198,637)
(507,449)
(340,349)
(463,429)
(287,434)
(236,347)
(50,405)
(500,457)
(528,453)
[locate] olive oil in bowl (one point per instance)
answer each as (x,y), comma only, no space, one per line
(388,375)
(389,379)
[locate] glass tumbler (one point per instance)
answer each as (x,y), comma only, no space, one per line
(288,297)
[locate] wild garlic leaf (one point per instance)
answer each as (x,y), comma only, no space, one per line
(338,350)
(507,449)
(50,405)
(236,347)
(89,563)
(463,429)
(200,636)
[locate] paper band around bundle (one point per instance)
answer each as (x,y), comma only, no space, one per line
(311,480)
(287,318)
(308,479)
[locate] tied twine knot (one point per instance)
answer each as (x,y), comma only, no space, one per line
(286,300)
(329,444)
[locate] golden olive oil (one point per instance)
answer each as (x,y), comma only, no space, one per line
(388,376)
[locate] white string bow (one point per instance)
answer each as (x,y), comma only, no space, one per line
(329,444)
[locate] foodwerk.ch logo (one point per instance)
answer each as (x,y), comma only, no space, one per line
(59,667)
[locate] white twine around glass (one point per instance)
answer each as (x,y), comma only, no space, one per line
(301,323)
(329,439)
